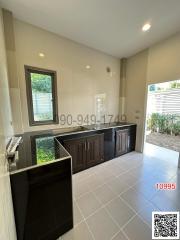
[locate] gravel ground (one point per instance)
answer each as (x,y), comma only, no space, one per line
(164,140)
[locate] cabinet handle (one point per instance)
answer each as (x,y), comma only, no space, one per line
(88,146)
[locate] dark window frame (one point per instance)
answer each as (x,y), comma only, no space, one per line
(28,71)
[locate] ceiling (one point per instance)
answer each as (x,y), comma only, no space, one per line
(111,26)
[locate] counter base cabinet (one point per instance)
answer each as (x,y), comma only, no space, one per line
(122,142)
(95,150)
(42,200)
(86,152)
(76,148)
(125,140)
(91,148)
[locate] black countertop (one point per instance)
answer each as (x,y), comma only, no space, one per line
(42,147)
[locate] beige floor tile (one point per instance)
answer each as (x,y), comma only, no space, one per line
(102,226)
(117,185)
(120,236)
(77,214)
(136,200)
(120,212)
(88,204)
(80,232)
(104,194)
(136,229)
(146,213)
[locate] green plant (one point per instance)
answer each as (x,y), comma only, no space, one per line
(176,128)
(175,84)
(41,83)
(164,123)
(148,123)
(154,123)
(45,151)
(44,156)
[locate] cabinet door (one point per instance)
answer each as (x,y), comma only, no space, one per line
(95,150)
(76,148)
(121,142)
(132,138)
(42,200)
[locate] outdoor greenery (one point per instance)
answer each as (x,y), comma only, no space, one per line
(42,94)
(164,123)
(45,151)
(175,84)
(41,83)
(161,87)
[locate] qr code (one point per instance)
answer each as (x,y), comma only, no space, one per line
(165,225)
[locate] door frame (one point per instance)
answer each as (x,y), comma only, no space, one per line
(145,112)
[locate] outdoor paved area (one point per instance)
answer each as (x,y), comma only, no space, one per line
(164,140)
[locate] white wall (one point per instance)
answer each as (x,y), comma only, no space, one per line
(164,61)
(77,86)
(159,63)
(135,93)
(7,227)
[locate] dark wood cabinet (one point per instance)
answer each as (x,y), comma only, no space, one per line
(42,200)
(122,142)
(95,150)
(93,147)
(86,151)
(77,149)
(132,138)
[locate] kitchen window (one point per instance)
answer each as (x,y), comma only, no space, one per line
(41,86)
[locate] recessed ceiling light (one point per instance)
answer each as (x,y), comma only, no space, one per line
(88,66)
(42,55)
(146,27)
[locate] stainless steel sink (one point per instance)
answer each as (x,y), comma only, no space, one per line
(69,130)
(108,125)
(76,129)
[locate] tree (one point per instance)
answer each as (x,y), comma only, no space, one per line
(41,83)
(175,84)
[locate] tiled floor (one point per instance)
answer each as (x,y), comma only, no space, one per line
(115,200)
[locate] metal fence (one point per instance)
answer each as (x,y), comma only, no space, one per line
(42,103)
(166,102)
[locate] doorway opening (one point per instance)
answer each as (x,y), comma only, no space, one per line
(163,116)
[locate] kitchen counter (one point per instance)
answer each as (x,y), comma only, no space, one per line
(41,173)
(36,151)
(41,184)
(42,147)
